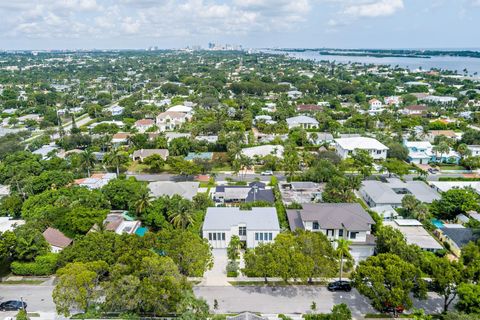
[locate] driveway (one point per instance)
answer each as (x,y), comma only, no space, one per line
(217,277)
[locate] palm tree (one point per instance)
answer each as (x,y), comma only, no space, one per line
(87,160)
(344,251)
(116,158)
(182,218)
(143,202)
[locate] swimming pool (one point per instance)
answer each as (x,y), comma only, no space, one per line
(437,223)
(141,231)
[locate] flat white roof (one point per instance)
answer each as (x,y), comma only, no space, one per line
(415,235)
(408,222)
(9,225)
(444,186)
(360,143)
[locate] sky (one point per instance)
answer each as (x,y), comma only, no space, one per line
(137,24)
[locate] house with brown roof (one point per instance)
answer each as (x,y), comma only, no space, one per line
(437,133)
(143,125)
(120,138)
(309,108)
(140,155)
(171,120)
(415,110)
(56,239)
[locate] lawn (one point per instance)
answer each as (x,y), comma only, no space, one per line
(451,167)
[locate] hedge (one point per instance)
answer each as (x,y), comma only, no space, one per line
(42,266)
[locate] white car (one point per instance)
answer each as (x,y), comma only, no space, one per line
(267,173)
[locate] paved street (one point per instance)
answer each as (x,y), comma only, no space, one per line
(37,297)
(292,299)
(218,177)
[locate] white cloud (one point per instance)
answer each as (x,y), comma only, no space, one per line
(375,8)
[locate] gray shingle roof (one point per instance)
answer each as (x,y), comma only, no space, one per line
(223,218)
(461,236)
(350,216)
(384,193)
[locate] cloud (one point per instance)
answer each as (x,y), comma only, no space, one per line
(150,18)
(374,9)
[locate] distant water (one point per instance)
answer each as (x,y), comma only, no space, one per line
(437,62)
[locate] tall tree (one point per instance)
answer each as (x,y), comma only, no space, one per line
(343,250)
(388,281)
(116,158)
(77,286)
(87,160)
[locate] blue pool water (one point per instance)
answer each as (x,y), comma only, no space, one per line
(141,231)
(437,223)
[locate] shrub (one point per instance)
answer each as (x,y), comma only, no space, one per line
(22,315)
(42,266)
(232,269)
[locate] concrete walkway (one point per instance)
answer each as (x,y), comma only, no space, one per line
(217,277)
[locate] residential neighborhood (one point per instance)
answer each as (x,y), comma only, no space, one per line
(225,184)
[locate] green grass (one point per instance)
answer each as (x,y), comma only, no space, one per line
(33,314)
(35,282)
(451,167)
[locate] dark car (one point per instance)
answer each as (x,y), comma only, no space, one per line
(390,309)
(12,305)
(339,286)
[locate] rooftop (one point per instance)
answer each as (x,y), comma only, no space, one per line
(353,143)
(223,218)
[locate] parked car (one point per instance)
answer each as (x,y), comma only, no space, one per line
(267,173)
(340,286)
(12,305)
(390,309)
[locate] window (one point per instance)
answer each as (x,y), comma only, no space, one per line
(219,236)
(330,232)
(265,236)
(223,236)
(214,236)
(270,236)
(340,233)
(315,225)
(256,236)
(353,235)
(261,236)
(209,236)
(379,151)
(242,231)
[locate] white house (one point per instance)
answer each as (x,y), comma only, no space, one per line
(143,125)
(181,108)
(375,105)
(294,94)
(56,239)
(302,122)
(345,147)
(475,150)
(419,152)
(171,120)
(262,151)
(255,226)
(337,220)
(115,110)
(393,100)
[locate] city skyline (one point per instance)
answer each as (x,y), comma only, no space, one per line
(128,24)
